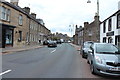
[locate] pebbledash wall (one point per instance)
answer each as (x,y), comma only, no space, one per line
(110,29)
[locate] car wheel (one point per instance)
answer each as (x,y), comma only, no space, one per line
(83,56)
(88,62)
(92,68)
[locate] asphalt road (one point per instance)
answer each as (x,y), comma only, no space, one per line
(63,61)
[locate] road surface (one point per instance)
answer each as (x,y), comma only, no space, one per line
(63,61)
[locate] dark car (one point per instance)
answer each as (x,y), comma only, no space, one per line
(45,42)
(85,48)
(104,58)
(59,42)
(52,44)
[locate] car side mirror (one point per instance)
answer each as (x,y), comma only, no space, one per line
(90,51)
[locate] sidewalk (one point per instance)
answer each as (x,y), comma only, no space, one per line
(77,47)
(17,49)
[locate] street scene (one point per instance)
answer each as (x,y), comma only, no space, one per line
(45,40)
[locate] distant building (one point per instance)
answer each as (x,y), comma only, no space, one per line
(78,37)
(110,29)
(92,30)
(60,36)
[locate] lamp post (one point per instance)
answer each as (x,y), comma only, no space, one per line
(71,29)
(97,23)
(97,6)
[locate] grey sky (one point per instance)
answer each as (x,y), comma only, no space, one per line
(59,14)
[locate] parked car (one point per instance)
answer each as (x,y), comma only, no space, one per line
(52,44)
(45,42)
(104,59)
(59,42)
(85,48)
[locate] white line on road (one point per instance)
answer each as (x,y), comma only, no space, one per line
(53,51)
(5,72)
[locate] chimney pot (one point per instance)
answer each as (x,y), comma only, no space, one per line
(14,2)
(26,9)
(34,15)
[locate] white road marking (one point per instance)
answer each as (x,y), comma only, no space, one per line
(5,72)
(53,51)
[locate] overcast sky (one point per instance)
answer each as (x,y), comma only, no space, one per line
(59,14)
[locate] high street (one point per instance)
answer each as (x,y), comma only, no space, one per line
(63,61)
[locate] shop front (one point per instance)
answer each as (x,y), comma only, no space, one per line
(7,35)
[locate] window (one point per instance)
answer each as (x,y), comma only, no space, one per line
(117,41)
(110,40)
(109,48)
(118,21)
(109,24)
(8,15)
(104,27)
(20,20)
(20,36)
(0,12)
(104,40)
(8,37)
(5,14)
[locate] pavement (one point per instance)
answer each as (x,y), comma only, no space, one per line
(17,49)
(77,47)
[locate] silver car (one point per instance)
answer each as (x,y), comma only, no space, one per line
(85,48)
(104,59)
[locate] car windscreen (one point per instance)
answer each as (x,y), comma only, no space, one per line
(106,48)
(87,45)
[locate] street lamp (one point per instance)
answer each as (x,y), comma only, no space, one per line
(97,6)
(71,29)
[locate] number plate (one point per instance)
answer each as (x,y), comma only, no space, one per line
(115,69)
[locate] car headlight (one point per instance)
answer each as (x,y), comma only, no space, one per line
(98,59)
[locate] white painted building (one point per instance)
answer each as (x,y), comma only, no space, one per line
(110,29)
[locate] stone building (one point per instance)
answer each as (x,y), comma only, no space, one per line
(92,30)
(78,37)
(18,26)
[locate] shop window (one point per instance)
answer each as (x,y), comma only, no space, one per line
(9,36)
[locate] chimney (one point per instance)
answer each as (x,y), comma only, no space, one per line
(26,9)
(34,15)
(86,23)
(14,2)
(76,27)
(96,17)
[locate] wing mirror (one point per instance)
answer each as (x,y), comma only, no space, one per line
(90,51)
